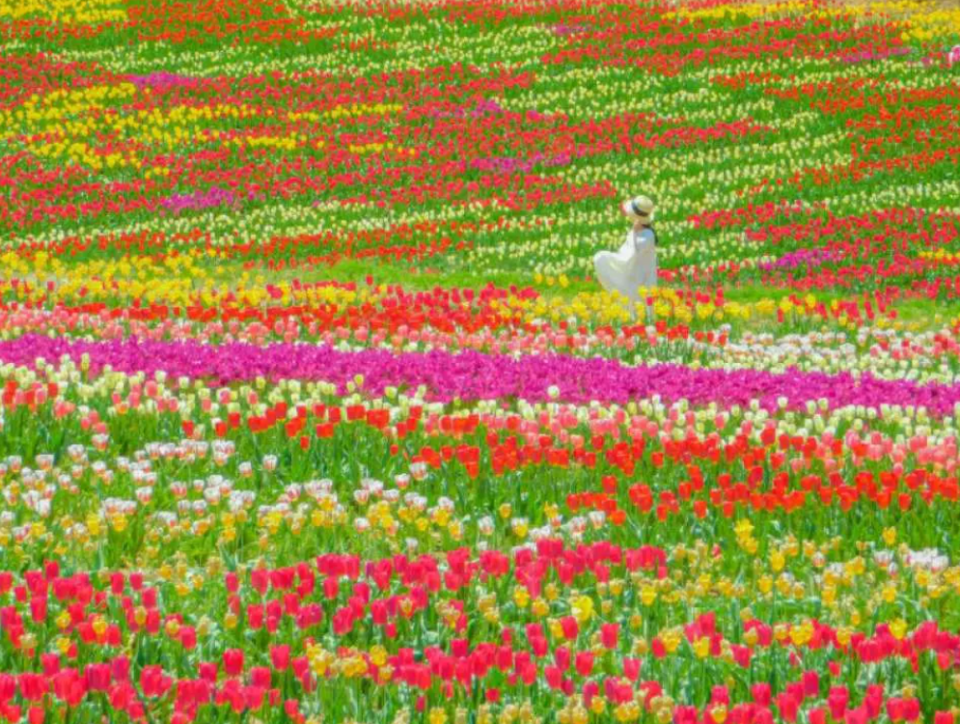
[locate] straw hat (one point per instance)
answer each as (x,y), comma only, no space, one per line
(639,208)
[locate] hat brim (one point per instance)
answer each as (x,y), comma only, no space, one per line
(627,208)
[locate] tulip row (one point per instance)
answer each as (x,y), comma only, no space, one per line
(394,321)
(343,619)
(474,376)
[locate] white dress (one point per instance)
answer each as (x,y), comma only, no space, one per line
(633,266)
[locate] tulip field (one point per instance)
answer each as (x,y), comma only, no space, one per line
(312,409)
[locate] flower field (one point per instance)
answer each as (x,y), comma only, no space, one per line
(311,409)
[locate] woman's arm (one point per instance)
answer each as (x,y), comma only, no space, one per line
(645,238)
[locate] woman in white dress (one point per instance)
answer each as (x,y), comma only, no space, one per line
(635,264)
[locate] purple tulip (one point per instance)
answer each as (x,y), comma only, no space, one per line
(872,55)
(163,80)
(803,257)
(214,196)
(471,375)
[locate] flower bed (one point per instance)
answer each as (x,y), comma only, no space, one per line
(311,411)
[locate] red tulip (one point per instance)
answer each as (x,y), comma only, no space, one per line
(280,657)
(583,663)
(233,662)
(609,633)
